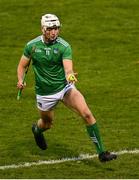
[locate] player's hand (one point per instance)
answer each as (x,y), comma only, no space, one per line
(71,78)
(21,85)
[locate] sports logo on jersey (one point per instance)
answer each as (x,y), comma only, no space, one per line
(55,50)
(38,50)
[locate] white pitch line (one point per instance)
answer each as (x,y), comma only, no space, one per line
(81,157)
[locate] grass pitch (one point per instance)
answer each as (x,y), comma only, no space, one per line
(105,39)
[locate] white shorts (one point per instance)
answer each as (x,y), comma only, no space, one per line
(46,103)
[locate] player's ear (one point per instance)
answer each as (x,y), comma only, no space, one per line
(43,30)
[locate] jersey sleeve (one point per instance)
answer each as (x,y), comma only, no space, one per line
(67,53)
(27,51)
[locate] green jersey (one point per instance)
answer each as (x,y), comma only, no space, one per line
(47,62)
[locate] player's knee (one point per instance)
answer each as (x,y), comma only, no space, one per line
(89,118)
(87,115)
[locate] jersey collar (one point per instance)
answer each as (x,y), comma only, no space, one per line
(53,42)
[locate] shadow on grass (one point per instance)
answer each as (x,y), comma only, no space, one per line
(55,150)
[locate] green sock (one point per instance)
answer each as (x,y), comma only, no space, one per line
(93,132)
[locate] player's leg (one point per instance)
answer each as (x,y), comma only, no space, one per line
(75,100)
(46,119)
(43,124)
(45,105)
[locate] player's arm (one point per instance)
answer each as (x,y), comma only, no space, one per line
(23,63)
(68,68)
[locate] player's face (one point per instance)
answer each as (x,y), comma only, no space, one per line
(51,34)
